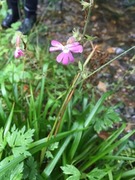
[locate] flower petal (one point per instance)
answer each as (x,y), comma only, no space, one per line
(73,44)
(76,49)
(55,49)
(65,58)
(70,57)
(57,46)
(56,43)
(60,57)
(18,53)
(71,40)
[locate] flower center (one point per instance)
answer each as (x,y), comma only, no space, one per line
(65,49)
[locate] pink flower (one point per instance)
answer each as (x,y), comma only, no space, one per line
(18,53)
(65,57)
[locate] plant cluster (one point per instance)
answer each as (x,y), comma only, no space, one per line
(50,126)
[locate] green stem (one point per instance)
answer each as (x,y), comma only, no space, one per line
(87,21)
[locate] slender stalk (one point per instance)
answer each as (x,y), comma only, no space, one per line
(89,57)
(106,64)
(87,19)
(66,101)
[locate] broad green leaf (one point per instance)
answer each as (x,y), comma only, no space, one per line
(19,140)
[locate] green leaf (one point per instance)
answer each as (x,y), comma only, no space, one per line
(49,155)
(98,125)
(52,147)
(14,172)
(10,162)
(89,38)
(19,140)
(96,108)
(73,178)
(14,73)
(96,174)
(30,169)
(80,66)
(128,174)
(77,138)
(71,170)
(105,118)
(9,120)
(2,140)
(47,171)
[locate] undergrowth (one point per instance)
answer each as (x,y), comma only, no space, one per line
(51,127)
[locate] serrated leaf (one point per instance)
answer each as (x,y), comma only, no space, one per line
(96,174)
(105,118)
(14,73)
(108,122)
(30,169)
(97,126)
(19,140)
(71,170)
(53,146)
(17,151)
(49,155)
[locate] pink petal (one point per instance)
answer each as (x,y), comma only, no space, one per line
(65,58)
(56,43)
(60,57)
(71,40)
(76,49)
(18,53)
(55,49)
(70,57)
(73,44)
(18,39)
(57,46)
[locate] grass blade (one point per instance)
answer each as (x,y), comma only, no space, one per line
(96,107)
(9,120)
